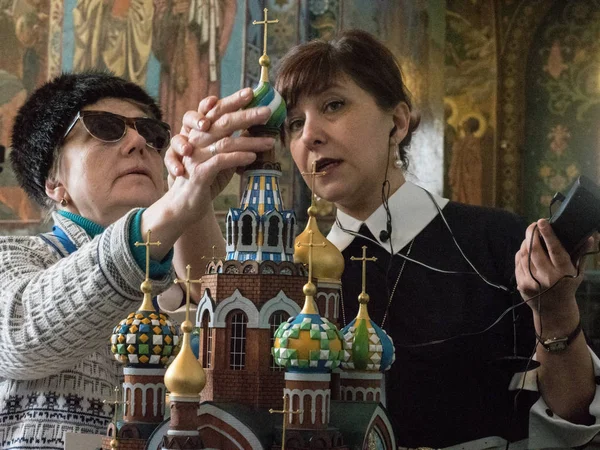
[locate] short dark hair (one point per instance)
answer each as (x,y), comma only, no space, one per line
(315,66)
(42,121)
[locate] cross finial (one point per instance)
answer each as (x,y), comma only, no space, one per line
(147,244)
(146,285)
(213,257)
(285,411)
(187,283)
(313,174)
(266,23)
(364,260)
(116,403)
(264,60)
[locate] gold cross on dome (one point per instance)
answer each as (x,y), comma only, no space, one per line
(146,285)
(284,411)
(266,23)
(213,257)
(364,260)
(313,175)
(147,244)
(187,283)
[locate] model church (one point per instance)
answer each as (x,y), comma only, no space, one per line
(274,370)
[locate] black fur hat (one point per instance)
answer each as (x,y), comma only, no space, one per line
(42,121)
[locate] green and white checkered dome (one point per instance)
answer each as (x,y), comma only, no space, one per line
(308,343)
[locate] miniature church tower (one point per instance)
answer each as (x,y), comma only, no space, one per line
(256,286)
(260,229)
(146,342)
(185,379)
(309,347)
(368,351)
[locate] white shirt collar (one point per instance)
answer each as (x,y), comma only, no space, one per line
(411,209)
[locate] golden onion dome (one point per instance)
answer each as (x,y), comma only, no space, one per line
(327,260)
(185,376)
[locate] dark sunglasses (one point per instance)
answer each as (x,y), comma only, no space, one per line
(109,127)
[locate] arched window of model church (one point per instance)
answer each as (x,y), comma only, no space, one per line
(276,319)
(229,231)
(237,344)
(273,238)
(247,230)
(206,342)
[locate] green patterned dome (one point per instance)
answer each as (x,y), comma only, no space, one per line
(308,343)
(367,347)
(145,339)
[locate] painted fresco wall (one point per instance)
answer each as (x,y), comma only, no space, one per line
(414,30)
(486,126)
(182,50)
(470,102)
(562,139)
(23,43)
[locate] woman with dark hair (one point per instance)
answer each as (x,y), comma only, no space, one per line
(442,280)
(442,283)
(88,148)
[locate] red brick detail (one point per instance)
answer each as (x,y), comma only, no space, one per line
(211,438)
(133,409)
(184,415)
(307,400)
(180,442)
(255,389)
(259,288)
(363,390)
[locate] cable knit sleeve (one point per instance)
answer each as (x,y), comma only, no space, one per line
(55,311)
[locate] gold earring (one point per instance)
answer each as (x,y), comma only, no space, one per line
(64,202)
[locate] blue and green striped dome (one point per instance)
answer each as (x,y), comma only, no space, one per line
(266,95)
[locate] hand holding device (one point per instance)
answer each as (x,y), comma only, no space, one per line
(578,216)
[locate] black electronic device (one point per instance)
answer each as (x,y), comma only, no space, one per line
(578,216)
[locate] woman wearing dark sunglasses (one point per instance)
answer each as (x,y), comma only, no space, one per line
(88,149)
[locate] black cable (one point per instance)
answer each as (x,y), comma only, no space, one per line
(385,197)
(502,315)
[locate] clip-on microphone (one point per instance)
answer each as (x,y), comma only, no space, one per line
(384,235)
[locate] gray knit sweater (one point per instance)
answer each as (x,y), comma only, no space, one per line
(56,317)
